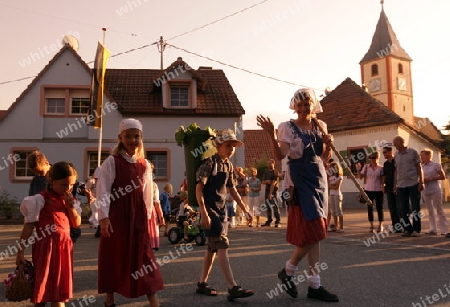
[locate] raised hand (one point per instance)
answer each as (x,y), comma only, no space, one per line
(265,123)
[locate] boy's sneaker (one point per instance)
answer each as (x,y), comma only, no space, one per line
(238,292)
(322,294)
(288,282)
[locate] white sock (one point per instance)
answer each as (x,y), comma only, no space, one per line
(314,281)
(290,268)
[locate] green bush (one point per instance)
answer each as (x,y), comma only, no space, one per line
(9,206)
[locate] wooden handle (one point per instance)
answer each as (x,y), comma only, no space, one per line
(345,166)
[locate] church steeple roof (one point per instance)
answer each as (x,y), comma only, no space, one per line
(384,42)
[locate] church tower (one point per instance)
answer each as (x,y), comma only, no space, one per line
(386,70)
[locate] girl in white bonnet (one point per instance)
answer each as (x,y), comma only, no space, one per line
(124,199)
(306,143)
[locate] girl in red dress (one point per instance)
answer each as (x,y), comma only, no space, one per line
(51,212)
(126,263)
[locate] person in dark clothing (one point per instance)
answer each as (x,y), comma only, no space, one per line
(389,172)
(270,179)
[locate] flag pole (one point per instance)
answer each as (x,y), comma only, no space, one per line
(100,130)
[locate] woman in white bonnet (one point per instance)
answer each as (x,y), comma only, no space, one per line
(124,200)
(307,147)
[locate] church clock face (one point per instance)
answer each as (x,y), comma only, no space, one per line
(375,85)
(401,84)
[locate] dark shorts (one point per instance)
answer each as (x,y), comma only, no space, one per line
(216,243)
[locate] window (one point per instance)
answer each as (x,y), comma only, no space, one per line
(400,68)
(55,106)
(61,101)
(93,160)
(21,170)
(374,70)
(80,106)
(159,160)
(179,95)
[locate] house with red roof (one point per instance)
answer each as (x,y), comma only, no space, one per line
(364,118)
(50,113)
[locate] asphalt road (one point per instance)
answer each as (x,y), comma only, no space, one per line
(391,271)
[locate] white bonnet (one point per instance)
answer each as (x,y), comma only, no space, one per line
(301,94)
(129,123)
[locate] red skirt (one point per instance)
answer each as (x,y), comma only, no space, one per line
(301,232)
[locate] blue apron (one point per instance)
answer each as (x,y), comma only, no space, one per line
(308,174)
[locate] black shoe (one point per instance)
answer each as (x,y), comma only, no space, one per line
(98,232)
(238,292)
(266,224)
(288,282)
(322,294)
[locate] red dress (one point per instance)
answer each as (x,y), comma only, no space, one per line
(52,252)
(126,263)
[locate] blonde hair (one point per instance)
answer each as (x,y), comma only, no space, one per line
(335,168)
(168,188)
(427,151)
(140,153)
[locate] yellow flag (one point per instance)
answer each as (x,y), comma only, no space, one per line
(97,86)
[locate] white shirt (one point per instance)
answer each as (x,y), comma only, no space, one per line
(333,180)
(431,169)
(31,207)
(373,177)
(286,134)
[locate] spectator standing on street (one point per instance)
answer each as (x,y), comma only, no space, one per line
(270,179)
(388,173)
(242,188)
(91,186)
(408,184)
(335,178)
(432,192)
(254,196)
(164,199)
(307,145)
(372,173)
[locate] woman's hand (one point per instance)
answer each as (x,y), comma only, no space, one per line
(106,227)
(68,200)
(20,258)
(265,123)
(327,140)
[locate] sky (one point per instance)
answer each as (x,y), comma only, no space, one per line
(267,48)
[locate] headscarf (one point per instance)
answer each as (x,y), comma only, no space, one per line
(129,123)
(302,94)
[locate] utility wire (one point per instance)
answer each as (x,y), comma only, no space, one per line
(219,20)
(133,34)
(239,68)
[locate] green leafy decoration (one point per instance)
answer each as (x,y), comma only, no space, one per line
(182,133)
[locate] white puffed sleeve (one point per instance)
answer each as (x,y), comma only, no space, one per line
(31,206)
(148,190)
(103,189)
